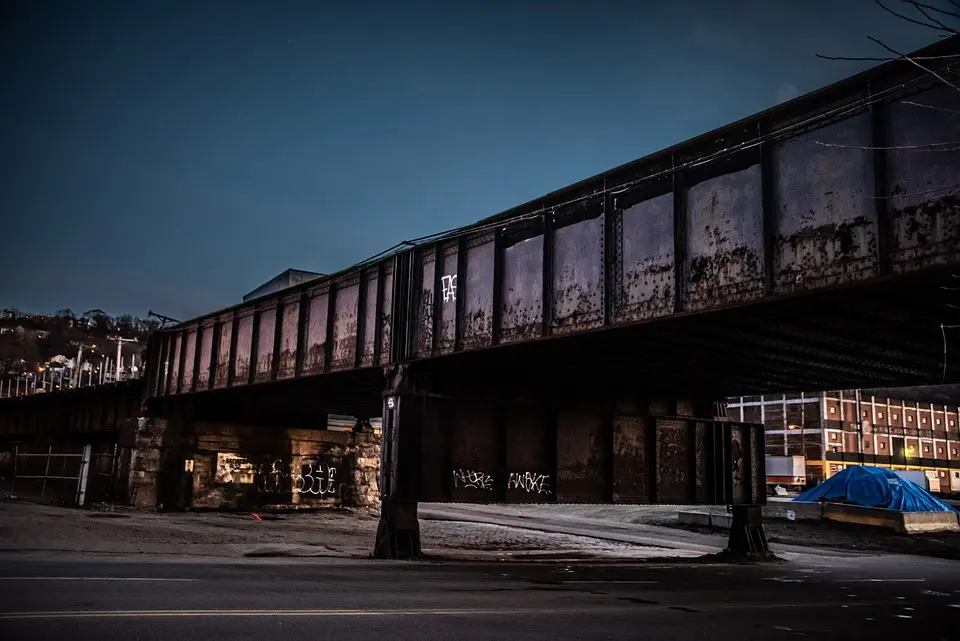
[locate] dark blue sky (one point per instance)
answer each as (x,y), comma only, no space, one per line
(175,154)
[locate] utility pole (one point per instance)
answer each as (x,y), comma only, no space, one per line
(76,369)
(120,341)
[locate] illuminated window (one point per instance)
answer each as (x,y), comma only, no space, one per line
(883,446)
(909,419)
(833,410)
(938,421)
(864,413)
(951,422)
(939,450)
(924,420)
(879,414)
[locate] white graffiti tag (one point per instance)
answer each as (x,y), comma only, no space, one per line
(472,479)
(314,478)
(449,288)
(529,482)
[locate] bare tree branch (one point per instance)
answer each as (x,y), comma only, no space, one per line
(932,8)
(887,58)
(914,62)
(909,19)
(935,108)
(919,7)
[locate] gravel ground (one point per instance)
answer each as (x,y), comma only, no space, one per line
(28,527)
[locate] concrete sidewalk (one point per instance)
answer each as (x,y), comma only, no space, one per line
(616,525)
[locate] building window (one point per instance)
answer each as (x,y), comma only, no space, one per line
(951,422)
(896,417)
(833,410)
(864,413)
(883,446)
(909,419)
(938,421)
(923,420)
(939,450)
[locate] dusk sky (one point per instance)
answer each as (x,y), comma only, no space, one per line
(173,155)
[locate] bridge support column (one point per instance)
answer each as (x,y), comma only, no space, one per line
(398,533)
(747,538)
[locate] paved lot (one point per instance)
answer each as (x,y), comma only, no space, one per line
(69,596)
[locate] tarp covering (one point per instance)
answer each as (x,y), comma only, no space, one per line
(875,487)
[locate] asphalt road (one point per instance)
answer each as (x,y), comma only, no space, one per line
(71,596)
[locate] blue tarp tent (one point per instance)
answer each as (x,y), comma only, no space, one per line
(875,487)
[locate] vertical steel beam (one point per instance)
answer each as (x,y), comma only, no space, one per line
(547,271)
(497,304)
(768,205)
(611,258)
(378,314)
(331,323)
(460,301)
(232,363)
(254,348)
(679,239)
(214,354)
(278,316)
(362,286)
(183,360)
(435,309)
(878,140)
(197,345)
(302,327)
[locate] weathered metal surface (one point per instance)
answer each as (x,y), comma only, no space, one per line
(583,460)
(315,350)
(825,208)
(206,354)
(531,449)
(386,314)
(810,195)
(477,291)
(345,324)
(370,320)
(289,333)
(189,360)
(673,461)
(423,327)
(630,460)
(522,307)
(645,263)
(578,273)
(724,235)
(477,454)
(447,314)
(922,186)
(244,347)
(222,375)
(175,365)
(266,336)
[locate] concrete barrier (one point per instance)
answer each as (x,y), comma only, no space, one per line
(801,511)
(701,519)
(903,522)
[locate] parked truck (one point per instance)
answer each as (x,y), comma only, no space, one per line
(789,472)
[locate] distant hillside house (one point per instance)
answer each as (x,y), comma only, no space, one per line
(289,278)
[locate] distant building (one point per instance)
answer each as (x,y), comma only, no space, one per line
(897,429)
(289,278)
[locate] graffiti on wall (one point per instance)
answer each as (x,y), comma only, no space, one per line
(314,478)
(472,479)
(532,482)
